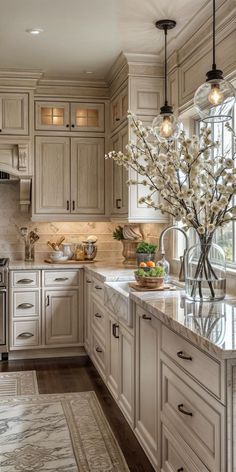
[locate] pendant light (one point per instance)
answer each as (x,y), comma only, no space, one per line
(214,100)
(166,126)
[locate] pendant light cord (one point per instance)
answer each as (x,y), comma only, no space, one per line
(214,35)
(166,101)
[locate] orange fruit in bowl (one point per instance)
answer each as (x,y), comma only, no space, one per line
(142,264)
(150,264)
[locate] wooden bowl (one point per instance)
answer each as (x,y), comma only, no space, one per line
(150,282)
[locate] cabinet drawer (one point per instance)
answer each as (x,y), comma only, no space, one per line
(195,418)
(61,278)
(26,279)
(175,459)
(25,333)
(26,303)
(202,367)
(98,318)
(98,289)
(98,354)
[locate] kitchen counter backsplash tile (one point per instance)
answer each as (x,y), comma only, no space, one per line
(11,243)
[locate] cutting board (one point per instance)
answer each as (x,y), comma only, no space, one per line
(138,288)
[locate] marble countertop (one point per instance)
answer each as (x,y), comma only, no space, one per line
(211,326)
(102,270)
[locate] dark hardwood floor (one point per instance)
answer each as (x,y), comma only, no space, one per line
(77,374)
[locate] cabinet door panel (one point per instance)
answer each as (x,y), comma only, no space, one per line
(87,176)
(113,358)
(119,177)
(87,117)
(61,316)
(147,341)
(52,116)
(14,113)
(52,175)
(126,361)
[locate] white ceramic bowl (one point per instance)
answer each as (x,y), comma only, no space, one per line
(56,255)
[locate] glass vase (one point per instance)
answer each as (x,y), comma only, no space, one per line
(205,272)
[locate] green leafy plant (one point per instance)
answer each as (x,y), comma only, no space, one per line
(118,233)
(157,271)
(146,248)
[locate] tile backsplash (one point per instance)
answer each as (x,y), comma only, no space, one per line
(12,245)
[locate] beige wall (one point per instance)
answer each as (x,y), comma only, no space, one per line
(11,243)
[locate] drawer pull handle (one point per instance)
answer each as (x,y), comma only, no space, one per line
(145,317)
(47,300)
(115,327)
(181,469)
(97,287)
(25,335)
(97,315)
(181,409)
(181,355)
(24,306)
(89,281)
(61,279)
(98,349)
(25,281)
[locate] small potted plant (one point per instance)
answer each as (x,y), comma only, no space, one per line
(145,252)
(129,236)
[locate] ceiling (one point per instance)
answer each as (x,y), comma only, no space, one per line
(88,35)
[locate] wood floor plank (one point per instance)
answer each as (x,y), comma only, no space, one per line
(77,374)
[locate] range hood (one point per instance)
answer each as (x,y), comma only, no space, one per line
(15,165)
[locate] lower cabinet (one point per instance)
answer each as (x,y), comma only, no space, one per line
(61,317)
(45,309)
(147,383)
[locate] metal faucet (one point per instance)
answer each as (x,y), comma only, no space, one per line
(182,259)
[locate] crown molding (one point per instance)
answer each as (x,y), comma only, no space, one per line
(20,78)
(84,88)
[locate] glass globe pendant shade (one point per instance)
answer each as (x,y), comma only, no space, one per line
(166,126)
(214,100)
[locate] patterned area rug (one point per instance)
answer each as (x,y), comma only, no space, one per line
(57,433)
(18,383)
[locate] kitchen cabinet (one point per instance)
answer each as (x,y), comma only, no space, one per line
(45,309)
(147,382)
(119,108)
(68,183)
(119,177)
(113,356)
(52,175)
(61,316)
(127,373)
(87,308)
(66,116)
(88,176)
(98,333)
(14,113)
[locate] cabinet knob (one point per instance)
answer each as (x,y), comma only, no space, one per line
(98,349)
(183,411)
(67,126)
(118,203)
(183,356)
(72,126)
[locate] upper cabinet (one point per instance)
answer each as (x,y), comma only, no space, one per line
(119,108)
(14,114)
(64,116)
(119,177)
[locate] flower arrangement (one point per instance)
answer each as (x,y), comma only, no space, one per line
(195,181)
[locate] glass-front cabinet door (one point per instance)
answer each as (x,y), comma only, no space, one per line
(87,117)
(52,116)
